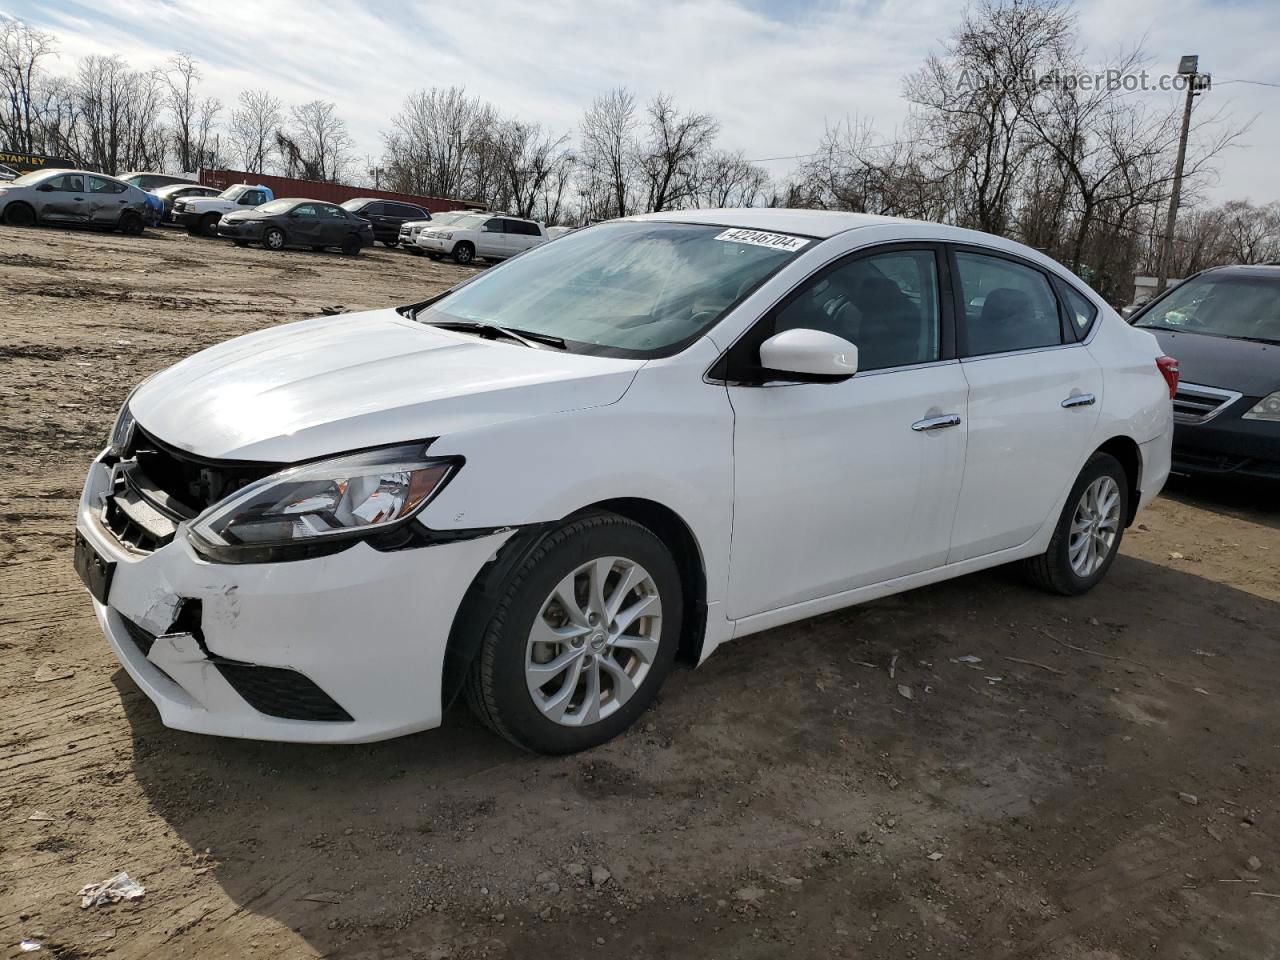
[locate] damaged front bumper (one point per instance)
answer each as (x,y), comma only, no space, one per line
(345,648)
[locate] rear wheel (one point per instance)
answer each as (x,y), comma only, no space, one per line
(1087,537)
(464,252)
(19,215)
(582,636)
(352,245)
(273,238)
(209,224)
(131,223)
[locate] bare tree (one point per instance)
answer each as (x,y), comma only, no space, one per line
(442,143)
(669,161)
(22,48)
(529,159)
(254,121)
(193,117)
(321,142)
(609,153)
(725,179)
(120,110)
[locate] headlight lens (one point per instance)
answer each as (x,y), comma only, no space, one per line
(122,432)
(340,498)
(1268,408)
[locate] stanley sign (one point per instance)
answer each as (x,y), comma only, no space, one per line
(26,162)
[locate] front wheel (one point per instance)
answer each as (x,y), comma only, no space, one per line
(209,224)
(19,215)
(464,253)
(1087,537)
(583,634)
(273,239)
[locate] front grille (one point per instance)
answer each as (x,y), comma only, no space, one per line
(1194,403)
(282,693)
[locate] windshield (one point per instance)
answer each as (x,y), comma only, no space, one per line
(463,221)
(232,192)
(444,219)
(35,176)
(1242,307)
(275,206)
(638,288)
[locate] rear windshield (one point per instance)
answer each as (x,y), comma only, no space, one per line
(1242,308)
(625,288)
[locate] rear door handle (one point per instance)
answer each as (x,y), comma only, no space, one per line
(936,423)
(1079,400)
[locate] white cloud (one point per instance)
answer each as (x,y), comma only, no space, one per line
(773,71)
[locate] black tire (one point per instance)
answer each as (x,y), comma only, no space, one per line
(131,224)
(496,688)
(352,245)
(241,243)
(390,244)
(273,238)
(209,224)
(1052,570)
(464,253)
(19,215)
(410,248)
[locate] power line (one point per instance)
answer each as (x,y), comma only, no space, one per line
(1256,83)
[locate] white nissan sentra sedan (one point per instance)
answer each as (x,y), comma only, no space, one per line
(543,487)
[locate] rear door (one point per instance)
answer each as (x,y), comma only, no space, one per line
(334,224)
(1034,397)
(107,199)
(521,235)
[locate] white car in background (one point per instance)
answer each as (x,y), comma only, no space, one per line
(543,487)
(410,229)
(201,214)
(491,236)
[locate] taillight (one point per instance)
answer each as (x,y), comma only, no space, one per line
(1169,370)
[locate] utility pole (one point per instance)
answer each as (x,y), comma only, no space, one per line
(1197,83)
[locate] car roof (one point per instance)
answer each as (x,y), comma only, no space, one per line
(811,223)
(1270,271)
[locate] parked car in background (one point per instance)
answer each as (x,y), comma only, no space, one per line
(1223,325)
(73,196)
(147,180)
(480,235)
(201,214)
(387,216)
(325,531)
(8,173)
(409,230)
(295,222)
(171,192)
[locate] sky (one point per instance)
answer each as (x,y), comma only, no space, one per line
(774,72)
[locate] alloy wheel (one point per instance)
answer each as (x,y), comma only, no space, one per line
(593,641)
(1094,526)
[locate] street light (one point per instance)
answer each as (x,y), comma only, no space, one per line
(1197,83)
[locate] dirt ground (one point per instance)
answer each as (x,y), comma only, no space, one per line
(1095,786)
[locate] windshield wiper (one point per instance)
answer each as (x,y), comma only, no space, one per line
(529,338)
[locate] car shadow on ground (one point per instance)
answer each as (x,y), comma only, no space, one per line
(1254,500)
(837,752)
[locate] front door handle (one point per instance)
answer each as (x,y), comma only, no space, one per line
(1079,400)
(936,423)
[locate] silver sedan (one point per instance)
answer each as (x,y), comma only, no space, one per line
(73,196)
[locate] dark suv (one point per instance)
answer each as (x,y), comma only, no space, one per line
(386,216)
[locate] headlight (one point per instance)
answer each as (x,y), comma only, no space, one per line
(321,503)
(446,236)
(122,432)
(1268,408)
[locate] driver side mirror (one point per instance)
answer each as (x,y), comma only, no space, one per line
(810,356)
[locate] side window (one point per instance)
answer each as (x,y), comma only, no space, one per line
(68,183)
(304,210)
(330,212)
(102,185)
(252,198)
(1080,309)
(372,210)
(886,305)
(525,227)
(1007,306)
(494,225)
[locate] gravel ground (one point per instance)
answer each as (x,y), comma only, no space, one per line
(1096,784)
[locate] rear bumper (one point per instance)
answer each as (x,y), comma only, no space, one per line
(1156,457)
(1228,444)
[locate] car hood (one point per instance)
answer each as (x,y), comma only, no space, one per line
(332,384)
(1246,366)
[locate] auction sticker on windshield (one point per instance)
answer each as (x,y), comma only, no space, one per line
(779,241)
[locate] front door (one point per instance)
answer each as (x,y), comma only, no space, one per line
(841,485)
(1034,397)
(64,199)
(304,225)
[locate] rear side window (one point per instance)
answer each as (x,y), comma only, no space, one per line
(404,211)
(522,227)
(886,305)
(1007,306)
(1080,310)
(103,185)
